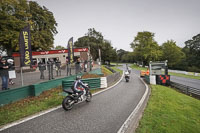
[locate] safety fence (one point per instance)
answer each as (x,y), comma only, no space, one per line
(112,78)
(186,89)
(45,73)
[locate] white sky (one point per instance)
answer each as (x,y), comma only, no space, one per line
(120,20)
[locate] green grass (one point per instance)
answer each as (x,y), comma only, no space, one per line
(118,70)
(169,111)
(105,71)
(30,106)
(137,67)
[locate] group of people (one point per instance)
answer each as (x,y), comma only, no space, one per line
(50,66)
(5,66)
(81,65)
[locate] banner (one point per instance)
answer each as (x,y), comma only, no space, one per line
(25,47)
(70,51)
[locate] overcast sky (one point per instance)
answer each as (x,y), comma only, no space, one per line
(120,20)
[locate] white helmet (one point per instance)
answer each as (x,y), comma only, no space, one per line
(11,61)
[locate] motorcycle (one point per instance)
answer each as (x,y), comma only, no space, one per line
(72,98)
(127,76)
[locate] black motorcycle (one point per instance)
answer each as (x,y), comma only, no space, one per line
(127,77)
(72,98)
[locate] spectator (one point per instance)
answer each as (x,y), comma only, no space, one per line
(58,69)
(67,65)
(42,68)
(50,63)
(78,70)
(85,65)
(4,67)
(11,68)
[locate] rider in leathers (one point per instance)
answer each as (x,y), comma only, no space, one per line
(77,86)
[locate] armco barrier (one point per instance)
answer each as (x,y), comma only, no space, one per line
(186,89)
(112,78)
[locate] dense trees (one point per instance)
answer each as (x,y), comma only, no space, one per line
(95,41)
(172,53)
(192,51)
(59,47)
(16,14)
(146,48)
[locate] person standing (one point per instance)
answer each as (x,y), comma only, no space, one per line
(42,68)
(50,68)
(58,69)
(77,65)
(67,65)
(11,68)
(4,67)
(85,65)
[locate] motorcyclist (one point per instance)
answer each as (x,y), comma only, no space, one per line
(78,86)
(127,73)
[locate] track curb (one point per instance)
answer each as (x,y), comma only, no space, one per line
(132,121)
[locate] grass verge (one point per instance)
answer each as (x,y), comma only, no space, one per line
(118,70)
(105,71)
(169,111)
(137,67)
(29,106)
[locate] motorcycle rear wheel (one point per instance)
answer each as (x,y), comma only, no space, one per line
(67,103)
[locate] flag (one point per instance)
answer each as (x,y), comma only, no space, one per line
(25,47)
(70,51)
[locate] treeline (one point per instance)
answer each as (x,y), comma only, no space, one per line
(16,14)
(146,49)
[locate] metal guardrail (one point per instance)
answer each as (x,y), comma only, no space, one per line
(186,89)
(112,70)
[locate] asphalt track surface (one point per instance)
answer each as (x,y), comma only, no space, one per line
(106,113)
(195,83)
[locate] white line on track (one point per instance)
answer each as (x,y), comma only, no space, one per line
(126,124)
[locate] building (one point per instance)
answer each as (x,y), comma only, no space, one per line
(53,54)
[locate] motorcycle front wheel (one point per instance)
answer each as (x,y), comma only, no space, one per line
(88,97)
(67,103)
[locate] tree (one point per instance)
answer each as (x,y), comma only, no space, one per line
(16,14)
(120,54)
(127,57)
(192,51)
(172,53)
(59,47)
(95,41)
(146,48)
